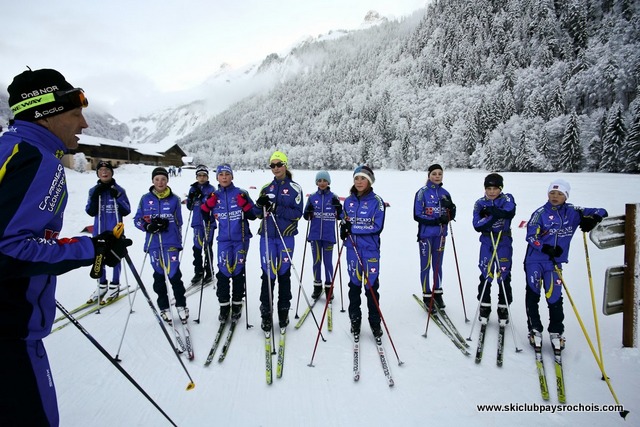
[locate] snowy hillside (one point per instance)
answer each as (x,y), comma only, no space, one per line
(436,385)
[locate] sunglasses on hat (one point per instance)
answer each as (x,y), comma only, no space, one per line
(276,165)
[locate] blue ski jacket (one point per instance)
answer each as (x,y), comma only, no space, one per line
(427,210)
(151,206)
(33,197)
(366,214)
(555,226)
(287,197)
(103,209)
(233,224)
(198,193)
(323,223)
(494,215)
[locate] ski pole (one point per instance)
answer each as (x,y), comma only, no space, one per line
(111,359)
(208,261)
(623,413)
(326,306)
(484,286)
(132,267)
(295,271)
(436,275)
(504,292)
(184,240)
(245,248)
(132,300)
(455,255)
(267,271)
(373,297)
(339,272)
(165,264)
(97,269)
(304,254)
(593,298)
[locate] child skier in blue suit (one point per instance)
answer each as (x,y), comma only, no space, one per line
(549,234)
(322,210)
(492,216)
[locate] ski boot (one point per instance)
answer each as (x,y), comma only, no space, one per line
(225,308)
(197,278)
(317,290)
(283,316)
(485,311)
(376,330)
(183,314)
(98,293)
(437,296)
(166,316)
(236,310)
(426,299)
(266,324)
(535,338)
(208,277)
(327,290)
(112,293)
(355,325)
(503,314)
(557,341)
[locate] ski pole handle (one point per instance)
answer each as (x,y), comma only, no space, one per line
(98,266)
(118,230)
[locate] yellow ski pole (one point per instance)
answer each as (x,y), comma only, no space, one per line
(623,413)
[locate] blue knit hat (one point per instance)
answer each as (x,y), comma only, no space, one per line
(224,168)
(323,175)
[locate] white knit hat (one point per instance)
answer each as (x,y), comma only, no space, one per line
(560,185)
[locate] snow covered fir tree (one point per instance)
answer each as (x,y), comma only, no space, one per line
(513,85)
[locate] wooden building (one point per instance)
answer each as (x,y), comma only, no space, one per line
(119,153)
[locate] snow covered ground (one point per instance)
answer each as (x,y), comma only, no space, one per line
(436,385)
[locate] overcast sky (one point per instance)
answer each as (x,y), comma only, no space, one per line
(120,49)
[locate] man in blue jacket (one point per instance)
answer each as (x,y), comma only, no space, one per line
(33,196)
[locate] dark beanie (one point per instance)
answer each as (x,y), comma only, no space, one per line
(493,180)
(159,171)
(434,167)
(104,164)
(39,94)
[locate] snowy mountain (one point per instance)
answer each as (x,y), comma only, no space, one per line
(436,384)
(229,85)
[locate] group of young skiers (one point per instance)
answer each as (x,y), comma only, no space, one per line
(358,222)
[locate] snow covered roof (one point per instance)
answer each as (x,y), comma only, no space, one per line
(145,149)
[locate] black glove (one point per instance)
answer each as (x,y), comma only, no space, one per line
(157,225)
(485,212)
(308,213)
(113,248)
(444,217)
(264,201)
(552,251)
(193,196)
(114,192)
(446,202)
(337,206)
(587,223)
(345,230)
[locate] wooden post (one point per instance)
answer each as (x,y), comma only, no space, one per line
(631,276)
